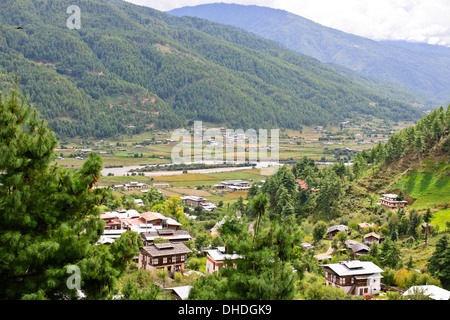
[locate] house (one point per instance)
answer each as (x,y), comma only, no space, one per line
(158,220)
(357,248)
(232,185)
(167,234)
(193,201)
(208,206)
(135,185)
(111,221)
(365,225)
(110,235)
(217,258)
(302,185)
(389,200)
(372,238)
(432,291)
(181,292)
(170,256)
(161,185)
(332,231)
(114,226)
(148,221)
(139,202)
(354,277)
(122,213)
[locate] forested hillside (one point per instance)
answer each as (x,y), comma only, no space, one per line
(414,163)
(421,69)
(131,67)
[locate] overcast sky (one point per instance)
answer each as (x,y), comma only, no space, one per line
(412,20)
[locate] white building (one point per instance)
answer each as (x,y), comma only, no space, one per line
(434,292)
(354,277)
(217,258)
(232,185)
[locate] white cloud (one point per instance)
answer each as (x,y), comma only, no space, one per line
(412,20)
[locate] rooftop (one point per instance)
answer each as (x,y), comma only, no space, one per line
(181,291)
(234,182)
(220,255)
(353,268)
(340,227)
(166,248)
(166,234)
(434,292)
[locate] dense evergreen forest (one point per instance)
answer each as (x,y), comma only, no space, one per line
(411,145)
(415,69)
(131,67)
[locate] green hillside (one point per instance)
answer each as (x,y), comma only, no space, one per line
(129,68)
(416,162)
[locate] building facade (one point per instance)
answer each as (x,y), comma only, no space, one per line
(390,201)
(354,277)
(171,256)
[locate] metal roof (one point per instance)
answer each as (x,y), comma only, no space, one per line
(434,292)
(181,291)
(353,268)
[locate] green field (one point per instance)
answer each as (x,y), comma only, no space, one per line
(130,150)
(292,145)
(428,188)
(440,219)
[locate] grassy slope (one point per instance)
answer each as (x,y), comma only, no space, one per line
(426,184)
(429,186)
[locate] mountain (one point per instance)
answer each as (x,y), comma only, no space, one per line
(418,68)
(130,68)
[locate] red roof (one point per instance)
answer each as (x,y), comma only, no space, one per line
(107,216)
(152,216)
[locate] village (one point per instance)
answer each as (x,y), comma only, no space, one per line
(168,248)
(170,253)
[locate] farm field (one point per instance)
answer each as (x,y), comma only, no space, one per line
(191,184)
(155,147)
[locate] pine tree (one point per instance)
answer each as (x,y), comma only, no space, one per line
(262,270)
(427,218)
(439,262)
(49,216)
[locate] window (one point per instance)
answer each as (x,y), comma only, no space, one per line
(164,260)
(155,261)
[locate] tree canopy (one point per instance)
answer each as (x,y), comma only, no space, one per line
(49,216)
